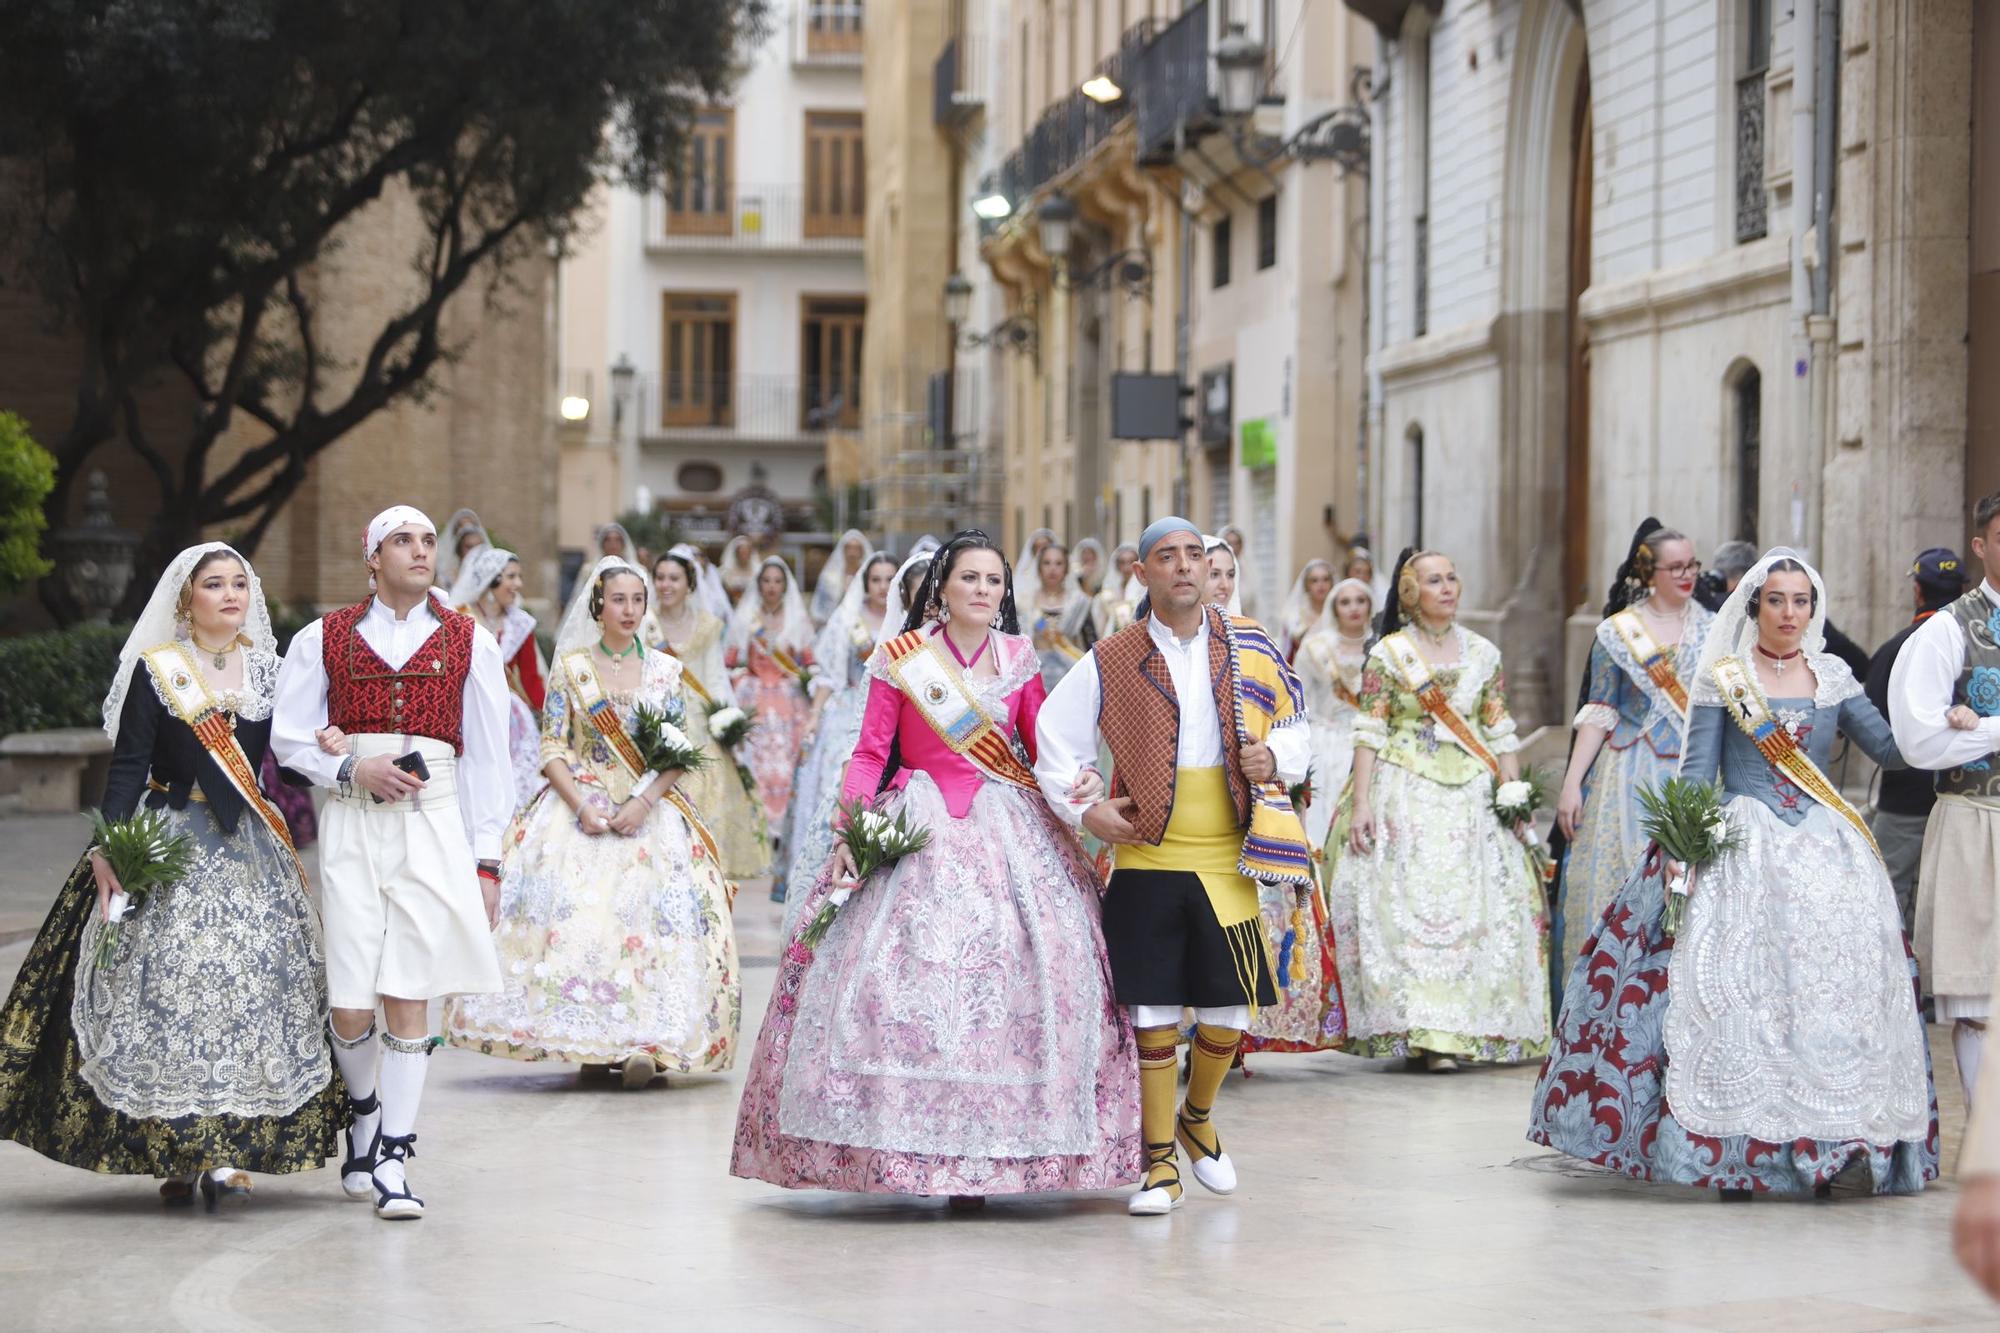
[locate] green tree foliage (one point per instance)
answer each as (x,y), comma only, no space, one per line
(651,530)
(27,475)
(181,164)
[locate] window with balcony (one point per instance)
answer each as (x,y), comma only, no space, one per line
(701,202)
(1752,207)
(830,362)
(698,359)
(833,27)
(836,174)
(1267,231)
(1218,253)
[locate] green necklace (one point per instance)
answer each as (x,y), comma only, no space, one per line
(629,650)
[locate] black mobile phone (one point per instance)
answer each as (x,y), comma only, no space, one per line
(413,764)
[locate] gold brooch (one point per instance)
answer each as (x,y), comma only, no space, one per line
(935,692)
(181,680)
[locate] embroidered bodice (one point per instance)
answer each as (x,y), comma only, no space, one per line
(1013,698)
(1622,698)
(154,744)
(1393,722)
(1718,747)
(569,734)
(1331,680)
(700,654)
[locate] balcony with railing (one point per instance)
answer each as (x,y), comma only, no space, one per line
(712,213)
(1173,86)
(958,82)
(827,32)
(1072,127)
(691,405)
(1752,206)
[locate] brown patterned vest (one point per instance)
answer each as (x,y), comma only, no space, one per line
(1978,685)
(1140,720)
(426,698)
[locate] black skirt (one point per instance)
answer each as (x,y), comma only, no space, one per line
(1167,948)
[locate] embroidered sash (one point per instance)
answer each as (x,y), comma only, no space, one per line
(1415,674)
(1275,847)
(778,654)
(688,678)
(1752,712)
(942,698)
(598,708)
(189,697)
(1048,629)
(1657,662)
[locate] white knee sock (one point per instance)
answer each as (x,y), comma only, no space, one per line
(404,1063)
(1968,1044)
(357,1069)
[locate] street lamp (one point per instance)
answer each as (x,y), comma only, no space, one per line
(1239,64)
(1103,90)
(957,299)
(992,206)
(622,374)
(1055,219)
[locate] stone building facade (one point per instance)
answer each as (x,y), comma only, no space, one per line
(1708,262)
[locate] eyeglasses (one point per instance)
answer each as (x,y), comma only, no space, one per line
(1690,569)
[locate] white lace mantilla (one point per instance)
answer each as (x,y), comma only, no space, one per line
(252,701)
(1686,654)
(1790,1010)
(1836,684)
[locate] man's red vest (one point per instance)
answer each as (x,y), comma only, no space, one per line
(425,698)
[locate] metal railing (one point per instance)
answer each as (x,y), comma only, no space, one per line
(1752,205)
(745,405)
(1420,322)
(699,215)
(1173,84)
(827,32)
(1071,127)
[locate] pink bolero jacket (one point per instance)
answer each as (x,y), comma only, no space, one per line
(892,717)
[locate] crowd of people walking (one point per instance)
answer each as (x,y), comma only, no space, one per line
(1150,822)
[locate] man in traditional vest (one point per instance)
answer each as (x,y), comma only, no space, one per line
(1170,697)
(1952,662)
(408,911)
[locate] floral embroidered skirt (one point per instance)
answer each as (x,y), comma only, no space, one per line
(1439,928)
(1608,846)
(1783,1024)
(727,802)
(524,750)
(773,748)
(1309,1014)
(609,946)
(955,1031)
(199,1042)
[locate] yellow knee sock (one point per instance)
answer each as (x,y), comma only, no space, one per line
(1214,1050)
(1157,1076)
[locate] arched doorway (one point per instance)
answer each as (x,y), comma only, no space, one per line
(1576,444)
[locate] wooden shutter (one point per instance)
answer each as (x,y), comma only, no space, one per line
(836,174)
(703,201)
(698,359)
(830,362)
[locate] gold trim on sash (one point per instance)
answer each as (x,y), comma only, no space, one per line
(933,684)
(598,709)
(1416,677)
(193,703)
(1656,660)
(1746,703)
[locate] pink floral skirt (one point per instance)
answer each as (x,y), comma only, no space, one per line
(955,1032)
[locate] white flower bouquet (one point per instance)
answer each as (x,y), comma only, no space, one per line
(874,840)
(662,745)
(1515,804)
(730,725)
(145,854)
(1685,820)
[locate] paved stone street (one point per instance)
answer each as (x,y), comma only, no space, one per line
(1370,1200)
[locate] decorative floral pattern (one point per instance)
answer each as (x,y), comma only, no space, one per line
(608,945)
(808,840)
(1982,690)
(773,748)
(733,815)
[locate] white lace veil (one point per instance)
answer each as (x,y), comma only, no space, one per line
(456,526)
(1734,633)
(160,623)
(1295,614)
(797,631)
(834,576)
(579,628)
(482,565)
(899,611)
(1074,580)
(1209,545)
(1024,563)
(836,637)
(604,530)
(707,594)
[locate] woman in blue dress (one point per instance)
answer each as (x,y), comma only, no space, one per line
(1628,728)
(1776,1043)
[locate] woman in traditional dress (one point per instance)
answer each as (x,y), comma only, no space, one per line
(768,653)
(1086,575)
(1361,565)
(1776,1042)
(1437,910)
(612,540)
(737,569)
(188,1041)
(1223,590)
(1059,615)
(488,589)
(1628,728)
(616,945)
(1232,536)
(1109,608)
(839,690)
(955,1031)
(463,534)
(842,564)
(1304,606)
(1029,560)
(1310,1014)
(678,625)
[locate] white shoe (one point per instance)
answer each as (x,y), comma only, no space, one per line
(1217,1175)
(356,1173)
(638,1070)
(391,1183)
(1155,1202)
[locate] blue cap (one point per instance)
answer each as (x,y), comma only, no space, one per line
(1940,567)
(1160,528)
